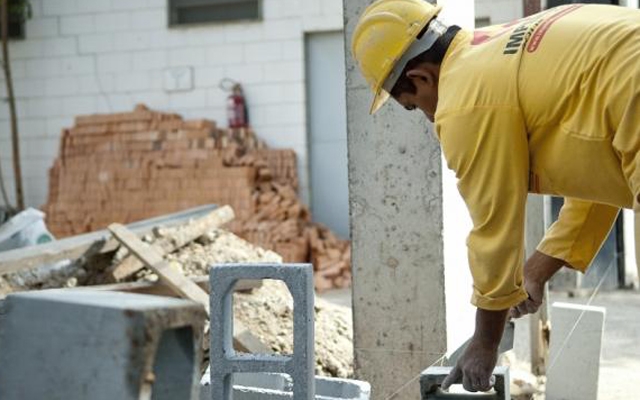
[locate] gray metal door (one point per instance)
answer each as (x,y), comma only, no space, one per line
(327,127)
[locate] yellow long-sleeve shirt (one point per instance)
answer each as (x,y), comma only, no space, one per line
(548,104)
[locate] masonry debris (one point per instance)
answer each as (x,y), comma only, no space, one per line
(130,166)
(265,309)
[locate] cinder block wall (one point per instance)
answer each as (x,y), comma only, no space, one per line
(86,56)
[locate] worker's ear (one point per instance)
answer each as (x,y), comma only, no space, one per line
(423,75)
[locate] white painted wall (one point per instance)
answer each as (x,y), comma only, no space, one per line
(499,11)
(87,56)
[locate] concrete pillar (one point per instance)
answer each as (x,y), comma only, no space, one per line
(395,194)
(396,190)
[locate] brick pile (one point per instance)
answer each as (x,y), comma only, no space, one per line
(129,166)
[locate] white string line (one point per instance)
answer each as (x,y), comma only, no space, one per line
(410,381)
(443,356)
(566,339)
(376,350)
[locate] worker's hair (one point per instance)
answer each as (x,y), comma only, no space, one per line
(434,55)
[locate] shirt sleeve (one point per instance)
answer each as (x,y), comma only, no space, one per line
(578,234)
(488,150)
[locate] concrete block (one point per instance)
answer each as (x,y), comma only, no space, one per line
(247,73)
(261,52)
(149,19)
(43,68)
(128,4)
(78,105)
(42,27)
(149,60)
(194,56)
(279,29)
(99,345)
(114,62)
(192,99)
(261,386)
(60,7)
(94,7)
(27,49)
(99,43)
(74,66)
(66,86)
(283,72)
(64,46)
(132,41)
(113,22)
(225,54)
(43,107)
(431,379)
(133,82)
(75,24)
(574,354)
(226,362)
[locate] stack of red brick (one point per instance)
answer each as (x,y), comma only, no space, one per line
(130,166)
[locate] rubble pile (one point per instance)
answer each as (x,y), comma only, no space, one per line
(126,167)
(266,311)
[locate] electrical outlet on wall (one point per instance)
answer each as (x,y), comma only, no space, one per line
(178,79)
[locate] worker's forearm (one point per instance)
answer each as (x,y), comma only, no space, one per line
(489,328)
(540,267)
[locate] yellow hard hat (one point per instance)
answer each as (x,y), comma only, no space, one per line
(382,38)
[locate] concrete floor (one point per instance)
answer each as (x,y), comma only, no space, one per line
(620,363)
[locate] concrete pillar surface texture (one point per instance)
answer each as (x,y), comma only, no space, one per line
(226,362)
(80,344)
(395,194)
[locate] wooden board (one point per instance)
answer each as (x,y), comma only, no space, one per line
(243,339)
(153,259)
(131,264)
(160,289)
(88,244)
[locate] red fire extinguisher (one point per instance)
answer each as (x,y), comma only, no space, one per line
(236,105)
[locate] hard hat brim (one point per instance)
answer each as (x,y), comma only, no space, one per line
(379,99)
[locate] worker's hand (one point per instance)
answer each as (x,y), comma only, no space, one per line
(538,269)
(474,369)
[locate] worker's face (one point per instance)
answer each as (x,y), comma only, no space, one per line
(425,79)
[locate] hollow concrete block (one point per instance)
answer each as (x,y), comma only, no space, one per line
(78,345)
(431,379)
(225,361)
(263,386)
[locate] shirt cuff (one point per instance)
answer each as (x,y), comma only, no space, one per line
(498,303)
(577,262)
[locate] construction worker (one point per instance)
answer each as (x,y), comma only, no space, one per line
(547,104)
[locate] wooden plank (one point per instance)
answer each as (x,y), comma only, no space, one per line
(159,289)
(150,256)
(131,264)
(88,244)
(539,321)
